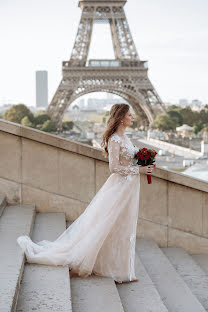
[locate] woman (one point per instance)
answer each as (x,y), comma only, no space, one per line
(101,240)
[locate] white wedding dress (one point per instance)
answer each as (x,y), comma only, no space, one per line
(102,239)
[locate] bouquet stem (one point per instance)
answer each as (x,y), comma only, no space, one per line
(149,178)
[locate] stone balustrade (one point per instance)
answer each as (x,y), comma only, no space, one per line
(60,175)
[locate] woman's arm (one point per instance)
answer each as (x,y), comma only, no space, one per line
(114,165)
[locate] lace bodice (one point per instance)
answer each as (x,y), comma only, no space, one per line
(121,155)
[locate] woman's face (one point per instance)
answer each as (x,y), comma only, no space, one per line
(128,119)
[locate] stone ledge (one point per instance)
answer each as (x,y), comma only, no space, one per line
(51,139)
(93,152)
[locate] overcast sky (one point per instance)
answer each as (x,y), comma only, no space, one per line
(39,34)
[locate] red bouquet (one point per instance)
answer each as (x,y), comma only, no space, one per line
(146,157)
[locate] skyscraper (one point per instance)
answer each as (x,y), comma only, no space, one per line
(41,88)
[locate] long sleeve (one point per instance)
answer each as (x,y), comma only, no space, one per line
(114,165)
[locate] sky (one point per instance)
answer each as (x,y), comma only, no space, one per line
(172,35)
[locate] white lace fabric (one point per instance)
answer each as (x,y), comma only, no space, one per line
(121,155)
(102,239)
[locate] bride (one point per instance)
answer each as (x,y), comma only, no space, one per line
(102,239)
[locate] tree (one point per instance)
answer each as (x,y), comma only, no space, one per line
(40,112)
(189,117)
(176,116)
(198,126)
(205,128)
(174,107)
(26,122)
(203,115)
(67,125)
(48,126)
(41,118)
(136,122)
(134,125)
(17,112)
(164,122)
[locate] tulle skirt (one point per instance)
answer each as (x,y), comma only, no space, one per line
(102,239)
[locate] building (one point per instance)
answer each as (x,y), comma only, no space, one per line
(41,89)
(183,103)
(196,105)
(185,130)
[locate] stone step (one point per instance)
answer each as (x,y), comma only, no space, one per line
(15,220)
(94,294)
(202,260)
(45,288)
(140,296)
(190,271)
(3,203)
(174,292)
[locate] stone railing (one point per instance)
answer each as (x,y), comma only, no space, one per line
(59,175)
(172,148)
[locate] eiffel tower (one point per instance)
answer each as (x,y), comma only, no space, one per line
(126,75)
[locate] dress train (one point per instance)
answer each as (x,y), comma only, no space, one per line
(102,239)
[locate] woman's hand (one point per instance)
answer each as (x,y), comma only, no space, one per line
(146,169)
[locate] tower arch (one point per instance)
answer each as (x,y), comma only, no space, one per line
(126,75)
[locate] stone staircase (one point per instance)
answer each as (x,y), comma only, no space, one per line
(170,279)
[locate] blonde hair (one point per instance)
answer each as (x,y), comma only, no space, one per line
(117,112)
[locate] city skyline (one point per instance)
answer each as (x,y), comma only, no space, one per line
(172,37)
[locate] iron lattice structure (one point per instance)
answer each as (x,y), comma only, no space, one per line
(125,76)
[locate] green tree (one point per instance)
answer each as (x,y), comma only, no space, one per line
(205,128)
(41,118)
(203,115)
(164,122)
(40,112)
(174,107)
(134,125)
(198,126)
(48,126)
(136,122)
(26,122)
(189,117)
(17,112)
(176,116)
(67,125)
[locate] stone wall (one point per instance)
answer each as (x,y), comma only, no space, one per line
(59,175)
(172,148)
